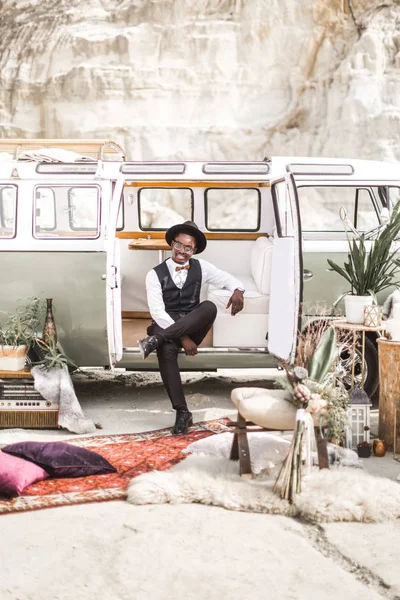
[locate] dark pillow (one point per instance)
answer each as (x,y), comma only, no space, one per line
(60,459)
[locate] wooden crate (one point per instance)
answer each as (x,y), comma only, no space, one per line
(29,419)
(389,391)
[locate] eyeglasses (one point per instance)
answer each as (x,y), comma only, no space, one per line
(187,249)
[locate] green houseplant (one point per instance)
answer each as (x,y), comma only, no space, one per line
(369,270)
(18,333)
(49,355)
(19,339)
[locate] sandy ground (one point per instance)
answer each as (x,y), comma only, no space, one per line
(118,551)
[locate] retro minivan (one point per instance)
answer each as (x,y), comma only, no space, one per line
(85,231)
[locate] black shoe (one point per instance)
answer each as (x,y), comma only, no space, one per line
(148,344)
(184,420)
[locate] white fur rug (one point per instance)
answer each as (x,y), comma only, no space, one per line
(340,494)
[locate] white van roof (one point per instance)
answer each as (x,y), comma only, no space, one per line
(24,159)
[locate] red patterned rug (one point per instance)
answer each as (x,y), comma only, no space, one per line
(131,454)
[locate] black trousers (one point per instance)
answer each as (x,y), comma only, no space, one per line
(195,325)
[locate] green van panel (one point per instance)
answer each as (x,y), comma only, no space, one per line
(75,282)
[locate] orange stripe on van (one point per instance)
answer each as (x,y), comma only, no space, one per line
(158,235)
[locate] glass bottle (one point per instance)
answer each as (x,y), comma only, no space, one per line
(49,329)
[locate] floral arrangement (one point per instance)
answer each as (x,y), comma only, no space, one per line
(314,390)
(324,400)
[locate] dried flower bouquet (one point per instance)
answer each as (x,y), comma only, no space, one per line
(316,391)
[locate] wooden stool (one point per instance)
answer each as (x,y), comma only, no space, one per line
(240,446)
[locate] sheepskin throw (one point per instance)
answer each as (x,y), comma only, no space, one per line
(338,494)
(56,385)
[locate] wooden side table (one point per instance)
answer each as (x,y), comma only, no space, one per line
(357,329)
(389,392)
(150,244)
(23,374)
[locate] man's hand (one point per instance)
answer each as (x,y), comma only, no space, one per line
(189,346)
(236,301)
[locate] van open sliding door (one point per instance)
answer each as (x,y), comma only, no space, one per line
(114,314)
(286,274)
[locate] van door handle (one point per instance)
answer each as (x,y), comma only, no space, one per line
(307,274)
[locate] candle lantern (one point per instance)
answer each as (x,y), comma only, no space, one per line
(373,316)
(359,417)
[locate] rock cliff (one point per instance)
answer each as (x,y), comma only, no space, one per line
(214,79)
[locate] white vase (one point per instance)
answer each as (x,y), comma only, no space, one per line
(12,358)
(354,308)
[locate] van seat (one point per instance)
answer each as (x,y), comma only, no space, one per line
(254,301)
(248,328)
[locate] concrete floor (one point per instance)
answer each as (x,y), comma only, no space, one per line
(119,551)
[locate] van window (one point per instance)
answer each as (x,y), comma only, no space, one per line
(320,207)
(394,196)
(232,209)
(121,216)
(285,220)
(45,209)
(365,216)
(8,210)
(83,209)
(66,212)
(160,208)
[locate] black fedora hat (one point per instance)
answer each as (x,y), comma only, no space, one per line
(191,229)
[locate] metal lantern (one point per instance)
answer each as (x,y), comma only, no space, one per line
(373,316)
(359,415)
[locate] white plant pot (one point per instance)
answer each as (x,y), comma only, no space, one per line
(354,308)
(12,358)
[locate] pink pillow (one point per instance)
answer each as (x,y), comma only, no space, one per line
(16,474)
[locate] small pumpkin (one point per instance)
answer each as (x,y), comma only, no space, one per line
(379,447)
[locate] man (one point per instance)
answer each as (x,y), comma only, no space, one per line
(180,320)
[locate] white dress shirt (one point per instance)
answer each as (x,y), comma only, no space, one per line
(209,274)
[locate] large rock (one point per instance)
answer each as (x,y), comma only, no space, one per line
(215,79)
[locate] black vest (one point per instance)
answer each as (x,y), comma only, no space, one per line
(186,299)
